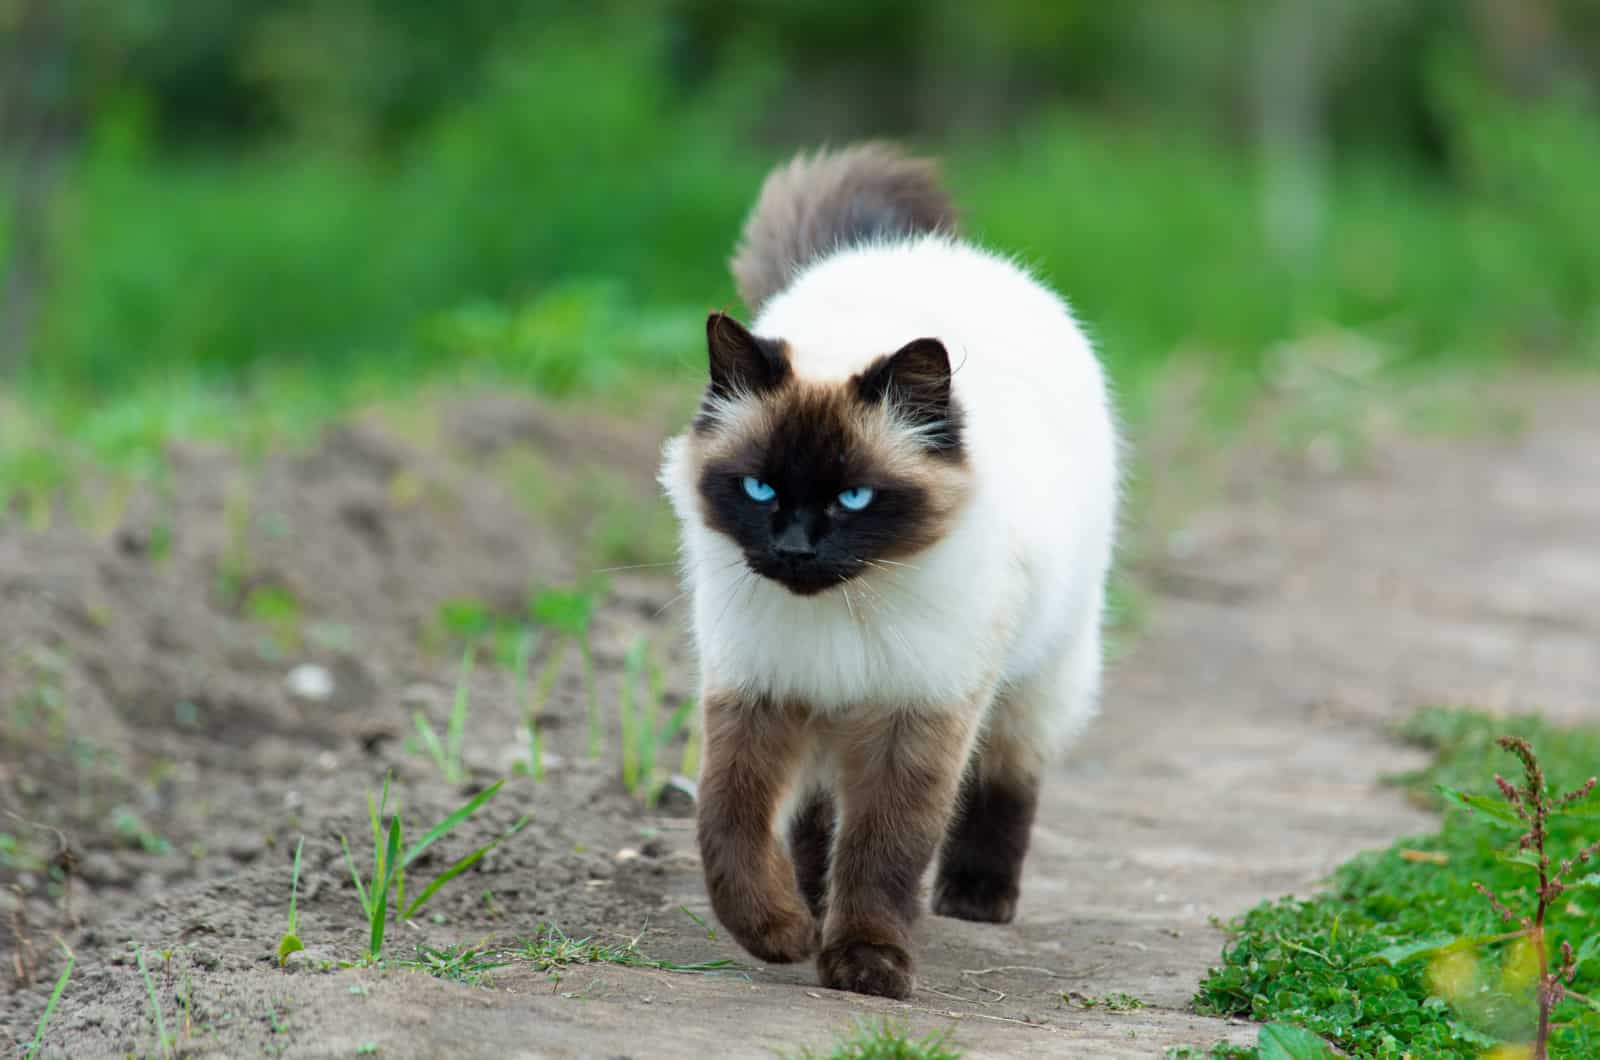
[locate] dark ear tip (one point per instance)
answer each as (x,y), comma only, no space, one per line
(929,353)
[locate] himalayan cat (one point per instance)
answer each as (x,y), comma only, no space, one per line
(897,503)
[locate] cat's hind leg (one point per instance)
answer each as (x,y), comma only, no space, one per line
(811,828)
(980,863)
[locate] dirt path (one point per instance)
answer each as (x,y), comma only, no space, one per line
(1237,758)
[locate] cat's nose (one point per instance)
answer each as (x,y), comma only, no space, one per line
(794,542)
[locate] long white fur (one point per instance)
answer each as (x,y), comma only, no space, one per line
(1010,600)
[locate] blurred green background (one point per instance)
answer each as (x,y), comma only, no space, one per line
(231,196)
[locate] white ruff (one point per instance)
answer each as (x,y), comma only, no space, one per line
(1012,596)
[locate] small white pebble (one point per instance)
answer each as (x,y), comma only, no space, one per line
(310,681)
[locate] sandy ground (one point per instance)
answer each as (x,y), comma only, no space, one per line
(1289,617)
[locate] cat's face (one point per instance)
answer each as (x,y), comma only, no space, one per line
(820,482)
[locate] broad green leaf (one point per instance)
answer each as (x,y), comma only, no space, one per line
(1588,949)
(1589,808)
(1523,859)
(287,945)
(1583,1000)
(1282,1041)
(1410,951)
(565,610)
(1494,809)
(1590,882)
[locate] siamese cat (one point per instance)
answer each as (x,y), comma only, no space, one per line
(898,500)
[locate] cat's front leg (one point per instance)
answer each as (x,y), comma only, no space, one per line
(753,748)
(897,786)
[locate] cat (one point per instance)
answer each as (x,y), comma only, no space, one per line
(897,504)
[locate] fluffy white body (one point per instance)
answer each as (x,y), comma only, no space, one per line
(1006,608)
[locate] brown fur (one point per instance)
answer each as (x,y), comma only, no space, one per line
(980,867)
(817,204)
(811,846)
(898,781)
(899,774)
(752,749)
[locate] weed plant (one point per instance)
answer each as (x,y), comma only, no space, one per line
(385,889)
(1402,956)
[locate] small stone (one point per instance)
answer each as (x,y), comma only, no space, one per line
(310,681)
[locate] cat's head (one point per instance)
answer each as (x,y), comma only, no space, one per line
(819,482)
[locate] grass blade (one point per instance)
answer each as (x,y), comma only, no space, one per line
(290,943)
(675,723)
(400,867)
(375,813)
(689,765)
(445,826)
(591,696)
(430,742)
(527,645)
(294,887)
(457,727)
(632,664)
(461,866)
(355,874)
(50,1006)
(380,891)
(155,1005)
(669,732)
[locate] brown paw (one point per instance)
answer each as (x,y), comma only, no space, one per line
(783,938)
(866,968)
(975,897)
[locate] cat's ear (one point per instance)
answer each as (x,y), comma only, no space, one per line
(916,381)
(742,362)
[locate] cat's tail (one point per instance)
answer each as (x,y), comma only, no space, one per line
(824,202)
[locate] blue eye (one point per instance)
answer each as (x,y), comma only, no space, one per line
(757,490)
(856,499)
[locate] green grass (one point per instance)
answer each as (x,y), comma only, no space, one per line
(164,1041)
(1113,1002)
(648,727)
(385,890)
(550,950)
(50,1005)
(290,943)
(1337,963)
(383,276)
(468,965)
(446,754)
(886,1041)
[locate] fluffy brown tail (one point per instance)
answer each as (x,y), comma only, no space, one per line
(818,204)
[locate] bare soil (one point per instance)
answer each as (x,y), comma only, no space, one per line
(157,769)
